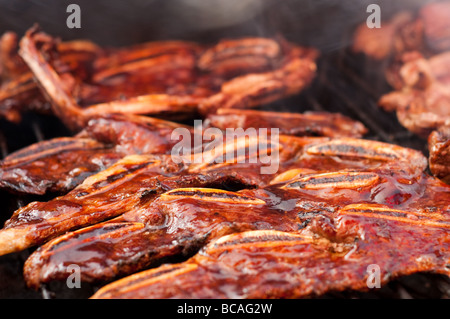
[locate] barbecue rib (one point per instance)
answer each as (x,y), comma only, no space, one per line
(11,65)
(179,221)
(417,52)
(178,83)
(439,147)
(335,252)
(427,32)
(122,182)
(183,220)
(316,154)
(60,164)
(306,124)
(422,102)
(18,90)
(380,43)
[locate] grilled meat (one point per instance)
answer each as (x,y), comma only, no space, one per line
(56,165)
(423,101)
(11,65)
(60,164)
(306,124)
(131,206)
(439,147)
(183,220)
(427,32)
(180,221)
(133,180)
(379,43)
(18,90)
(415,48)
(335,252)
(294,73)
(179,81)
(436,27)
(123,181)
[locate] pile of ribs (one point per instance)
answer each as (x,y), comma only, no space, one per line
(416,48)
(142,222)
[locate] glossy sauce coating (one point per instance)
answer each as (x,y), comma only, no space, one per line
(272,264)
(306,124)
(183,220)
(331,249)
(178,78)
(60,164)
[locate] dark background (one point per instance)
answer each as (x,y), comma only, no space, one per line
(321,23)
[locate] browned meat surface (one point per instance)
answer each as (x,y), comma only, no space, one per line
(337,251)
(427,32)
(19,95)
(11,65)
(333,205)
(436,26)
(307,124)
(176,78)
(60,164)
(295,72)
(18,90)
(55,165)
(99,197)
(380,43)
(416,49)
(423,101)
(180,221)
(439,147)
(120,182)
(183,220)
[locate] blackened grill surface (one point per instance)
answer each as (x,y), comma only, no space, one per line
(345,83)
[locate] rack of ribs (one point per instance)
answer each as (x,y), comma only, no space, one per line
(423,101)
(178,221)
(416,48)
(333,253)
(60,164)
(18,90)
(426,31)
(419,65)
(169,78)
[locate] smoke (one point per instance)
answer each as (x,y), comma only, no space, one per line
(319,23)
(219,13)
